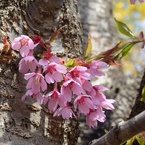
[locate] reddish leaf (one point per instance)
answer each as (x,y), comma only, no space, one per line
(52,38)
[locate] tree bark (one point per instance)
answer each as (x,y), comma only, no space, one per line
(97,20)
(27,122)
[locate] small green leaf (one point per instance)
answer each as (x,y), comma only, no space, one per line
(143,94)
(125,49)
(106,131)
(88,47)
(69,63)
(123,28)
(140,140)
(130,141)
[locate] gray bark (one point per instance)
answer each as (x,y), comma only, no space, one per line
(26,123)
(97,20)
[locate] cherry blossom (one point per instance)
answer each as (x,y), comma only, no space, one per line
(99,98)
(28,63)
(71,87)
(53,99)
(66,112)
(23,44)
(94,116)
(54,72)
(95,68)
(83,103)
(35,82)
(77,73)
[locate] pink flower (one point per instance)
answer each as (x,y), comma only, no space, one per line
(23,44)
(107,104)
(84,104)
(94,116)
(36,81)
(86,85)
(54,72)
(77,73)
(48,57)
(28,63)
(65,112)
(71,87)
(134,1)
(53,99)
(99,98)
(95,68)
(38,96)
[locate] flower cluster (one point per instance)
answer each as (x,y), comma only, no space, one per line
(67,91)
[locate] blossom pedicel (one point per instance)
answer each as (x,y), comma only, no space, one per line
(72,93)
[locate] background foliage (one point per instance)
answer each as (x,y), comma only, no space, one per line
(134,17)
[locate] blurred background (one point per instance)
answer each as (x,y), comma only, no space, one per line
(134,17)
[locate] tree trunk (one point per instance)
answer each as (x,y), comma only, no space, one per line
(26,122)
(97,20)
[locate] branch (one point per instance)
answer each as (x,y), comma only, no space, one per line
(122,131)
(139,106)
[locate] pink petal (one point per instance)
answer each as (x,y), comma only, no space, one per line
(100,88)
(16,46)
(83,109)
(43,84)
(61,68)
(39,98)
(43,61)
(49,78)
(32,66)
(87,86)
(66,113)
(30,83)
(52,105)
(29,75)
(108,104)
(57,76)
(24,51)
(35,88)
(91,123)
(23,67)
(77,89)
(89,103)
(66,92)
